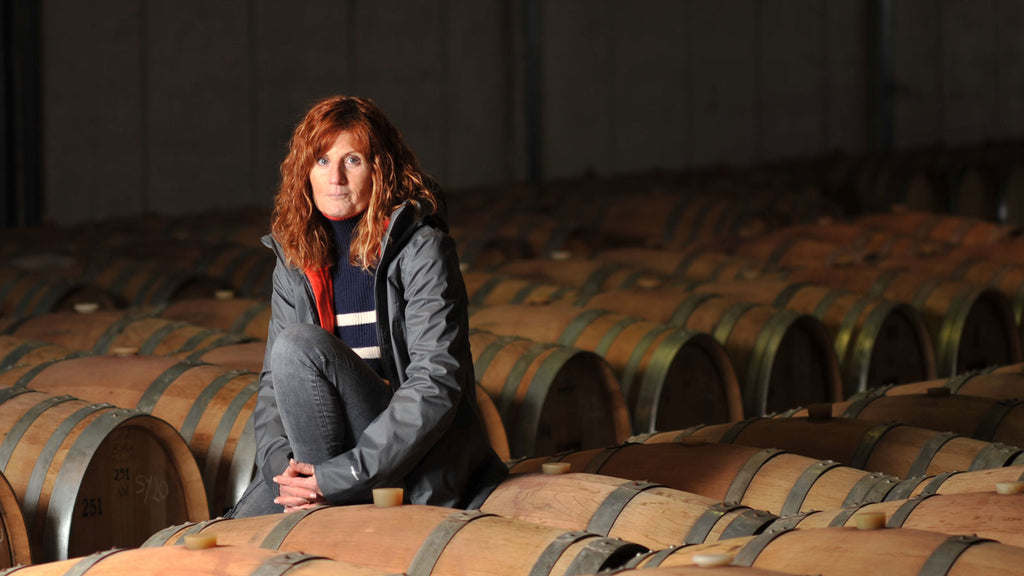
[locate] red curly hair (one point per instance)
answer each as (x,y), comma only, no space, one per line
(299,227)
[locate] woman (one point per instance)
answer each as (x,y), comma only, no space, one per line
(368,378)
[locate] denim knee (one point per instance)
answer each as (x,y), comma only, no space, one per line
(305,344)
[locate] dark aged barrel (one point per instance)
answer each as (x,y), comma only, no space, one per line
(550,397)
(971,326)
(586,276)
(844,552)
(998,382)
(489,289)
(782,358)
(688,266)
(877,341)
(209,405)
(106,331)
(987,514)
(667,375)
(220,560)
(646,513)
(945,228)
(148,283)
(763,479)
(224,312)
(92,476)
(28,292)
(975,417)
(419,540)
(888,447)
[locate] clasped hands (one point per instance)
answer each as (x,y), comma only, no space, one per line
(298,487)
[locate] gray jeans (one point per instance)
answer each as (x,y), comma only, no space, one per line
(326,396)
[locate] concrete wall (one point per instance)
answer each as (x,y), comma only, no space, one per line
(175,107)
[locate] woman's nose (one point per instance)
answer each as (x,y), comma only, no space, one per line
(338,175)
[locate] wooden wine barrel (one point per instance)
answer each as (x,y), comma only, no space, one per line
(844,552)
(588,277)
(764,479)
(855,242)
(92,476)
(970,325)
(216,560)
(489,289)
(975,417)
(697,571)
(877,341)
(696,265)
(15,352)
(645,513)
(783,359)
(998,382)
(789,251)
(493,425)
(105,331)
(550,397)
(959,482)
(14,544)
(419,540)
(149,283)
(25,293)
(246,269)
(224,312)
(986,514)
(667,375)
(983,267)
(889,447)
(487,243)
(209,405)
(945,228)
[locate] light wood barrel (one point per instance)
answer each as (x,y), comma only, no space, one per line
(419,540)
(493,425)
(646,513)
(667,375)
(877,341)
(14,543)
(853,552)
(550,397)
(16,352)
(986,514)
(782,358)
(770,479)
(697,265)
(217,560)
(92,476)
(889,447)
(210,406)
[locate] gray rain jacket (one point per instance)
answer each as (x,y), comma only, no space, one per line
(430,439)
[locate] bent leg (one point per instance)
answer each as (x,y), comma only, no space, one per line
(326,394)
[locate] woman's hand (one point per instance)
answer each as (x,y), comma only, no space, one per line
(298,487)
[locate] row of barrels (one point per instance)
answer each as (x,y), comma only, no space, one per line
(122,375)
(584,523)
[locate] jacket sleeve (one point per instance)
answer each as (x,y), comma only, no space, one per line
(272,448)
(434,325)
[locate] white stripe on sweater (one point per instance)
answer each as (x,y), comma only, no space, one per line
(356,318)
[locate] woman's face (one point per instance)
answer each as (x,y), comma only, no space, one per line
(341,179)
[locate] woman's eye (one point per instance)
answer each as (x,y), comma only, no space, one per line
(353,160)
(322,161)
